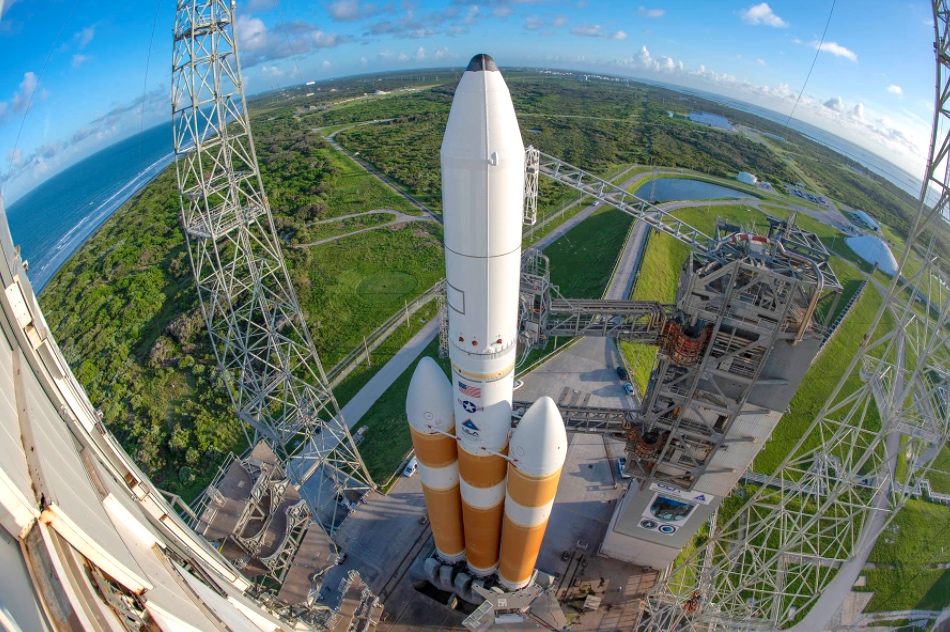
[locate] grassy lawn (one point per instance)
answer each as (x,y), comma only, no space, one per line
(939,474)
(658,279)
(362,374)
(906,556)
(820,381)
(583,260)
(356,190)
(349,287)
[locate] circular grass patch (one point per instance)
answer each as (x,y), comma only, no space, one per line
(386,287)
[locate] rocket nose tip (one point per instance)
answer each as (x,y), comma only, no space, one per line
(481,62)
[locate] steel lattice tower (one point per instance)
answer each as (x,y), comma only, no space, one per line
(805,533)
(260,338)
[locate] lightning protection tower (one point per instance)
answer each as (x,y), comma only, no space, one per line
(270,365)
(787,557)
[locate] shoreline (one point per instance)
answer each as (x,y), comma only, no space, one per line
(77,237)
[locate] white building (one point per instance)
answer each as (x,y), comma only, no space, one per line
(747,178)
(866,220)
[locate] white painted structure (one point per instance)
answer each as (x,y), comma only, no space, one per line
(483,204)
(873,250)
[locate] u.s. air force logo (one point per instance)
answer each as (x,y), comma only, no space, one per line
(470,407)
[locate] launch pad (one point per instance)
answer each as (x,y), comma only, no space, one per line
(387,542)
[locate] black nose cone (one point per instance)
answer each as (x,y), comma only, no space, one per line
(481,62)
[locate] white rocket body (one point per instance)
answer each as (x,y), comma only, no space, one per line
(482,201)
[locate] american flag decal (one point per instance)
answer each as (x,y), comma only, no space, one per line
(470,391)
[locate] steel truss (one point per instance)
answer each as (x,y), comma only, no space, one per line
(804,534)
(260,338)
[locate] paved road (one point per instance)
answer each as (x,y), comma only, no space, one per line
(364,400)
(622,283)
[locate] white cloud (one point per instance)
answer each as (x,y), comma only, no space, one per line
(15,157)
(326,64)
(84,37)
(403,57)
(272,71)
(415,25)
(760,62)
(420,53)
(536,22)
(834,103)
(364,61)
(650,13)
(79,60)
(903,140)
(596,30)
(259,43)
(22,97)
(502,12)
(643,60)
(344,10)
(353,10)
(895,89)
(762,14)
(834,48)
(838,50)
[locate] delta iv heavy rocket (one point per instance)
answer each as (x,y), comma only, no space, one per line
(482,204)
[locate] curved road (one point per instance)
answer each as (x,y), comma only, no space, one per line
(401,218)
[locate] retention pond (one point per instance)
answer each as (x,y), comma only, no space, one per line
(668,189)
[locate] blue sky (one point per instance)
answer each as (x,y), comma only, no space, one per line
(78,75)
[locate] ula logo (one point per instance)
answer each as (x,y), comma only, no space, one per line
(469,428)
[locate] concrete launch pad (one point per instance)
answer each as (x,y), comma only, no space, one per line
(384,539)
(587,367)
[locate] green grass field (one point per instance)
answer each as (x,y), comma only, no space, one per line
(329,229)
(349,287)
(583,260)
(907,556)
(939,474)
(356,190)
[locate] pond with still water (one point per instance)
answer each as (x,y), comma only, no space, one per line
(679,189)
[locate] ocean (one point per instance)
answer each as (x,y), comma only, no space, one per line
(55,219)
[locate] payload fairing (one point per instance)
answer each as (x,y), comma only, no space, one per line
(482,201)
